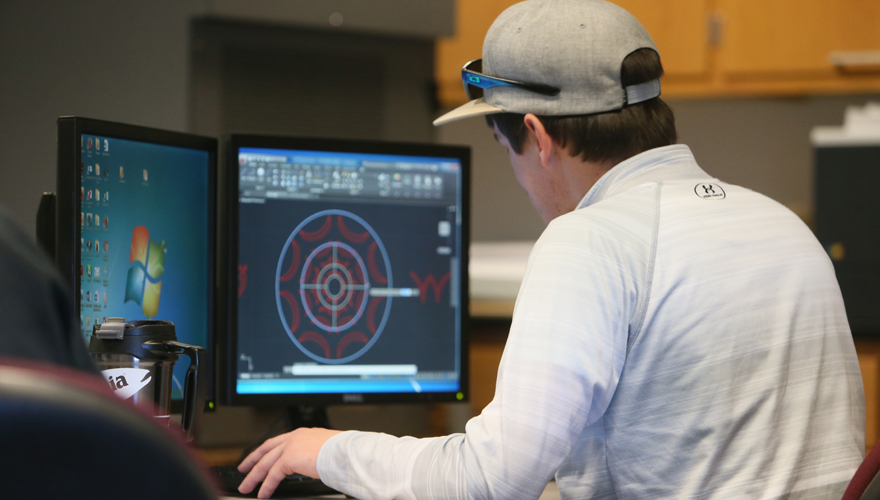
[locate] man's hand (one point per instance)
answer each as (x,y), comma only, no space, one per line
(296,451)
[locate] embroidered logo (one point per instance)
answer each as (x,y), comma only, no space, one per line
(709,191)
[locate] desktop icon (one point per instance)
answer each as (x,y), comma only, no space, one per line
(97,194)
(82,218)
(146,177)
(82,193)
(89,170)
(121,172)
(88,270)
(142,284)
(106,221)
(105,299)
(89,194)
(88,219)
(97,169)
(106,196)
(88,296)
(106,145)
(89,246)
(106,246)
(97,272)
(89,143)
(97,246)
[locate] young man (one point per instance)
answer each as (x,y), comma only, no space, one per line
(675,336)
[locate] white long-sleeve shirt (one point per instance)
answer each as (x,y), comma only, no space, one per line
(674,337)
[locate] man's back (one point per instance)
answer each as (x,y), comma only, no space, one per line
(739,376)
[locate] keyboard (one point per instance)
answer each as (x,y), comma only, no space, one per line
(294,485)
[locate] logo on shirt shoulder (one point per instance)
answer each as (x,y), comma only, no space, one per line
(709,191)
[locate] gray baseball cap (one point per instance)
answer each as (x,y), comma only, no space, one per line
(575,46)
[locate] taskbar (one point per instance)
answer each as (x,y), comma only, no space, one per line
(344,386)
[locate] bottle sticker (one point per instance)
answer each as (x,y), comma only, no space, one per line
(126,382)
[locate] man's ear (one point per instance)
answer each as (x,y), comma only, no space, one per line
(543,141)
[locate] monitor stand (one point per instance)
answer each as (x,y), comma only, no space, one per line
(305,416)
(290,418)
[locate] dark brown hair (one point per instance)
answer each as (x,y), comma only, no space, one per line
(609,137)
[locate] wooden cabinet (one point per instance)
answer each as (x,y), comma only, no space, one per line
(678,27)
(869,361)
(799,47)
(721,47)
(784,37)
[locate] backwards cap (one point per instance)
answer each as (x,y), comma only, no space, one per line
(577,46)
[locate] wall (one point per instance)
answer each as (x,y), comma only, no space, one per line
(123,61)
(128,61)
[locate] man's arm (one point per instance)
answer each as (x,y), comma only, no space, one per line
(561,364)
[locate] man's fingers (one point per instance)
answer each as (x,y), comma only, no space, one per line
(275,475)
(256,455)
(260,469)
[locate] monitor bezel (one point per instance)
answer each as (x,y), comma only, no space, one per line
(68,206)
(229,192)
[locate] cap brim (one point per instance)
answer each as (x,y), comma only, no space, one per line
(477,107)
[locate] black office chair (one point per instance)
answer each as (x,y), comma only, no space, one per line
(63,434)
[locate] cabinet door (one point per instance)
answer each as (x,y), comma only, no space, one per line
(797,37)
(678,27)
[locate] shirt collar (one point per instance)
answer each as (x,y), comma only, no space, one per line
(655,165)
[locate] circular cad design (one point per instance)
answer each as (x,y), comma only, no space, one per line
(325,273)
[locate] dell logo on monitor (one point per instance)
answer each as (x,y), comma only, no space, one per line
(352,398)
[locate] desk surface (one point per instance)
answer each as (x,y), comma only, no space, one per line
(551,492)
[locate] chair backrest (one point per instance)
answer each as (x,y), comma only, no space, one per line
(63,434)
(865,485)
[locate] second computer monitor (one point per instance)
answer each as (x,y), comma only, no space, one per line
(136,216)
(350,277)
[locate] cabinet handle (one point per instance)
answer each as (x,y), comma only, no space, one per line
(714,29)
(860,60)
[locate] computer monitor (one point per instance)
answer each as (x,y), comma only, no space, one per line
(350,271)
(136,229)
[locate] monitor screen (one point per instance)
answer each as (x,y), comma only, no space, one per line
(136,228)
(350,271)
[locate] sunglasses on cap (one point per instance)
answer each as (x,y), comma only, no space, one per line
(474,82)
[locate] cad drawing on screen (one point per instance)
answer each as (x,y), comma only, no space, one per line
(333,286)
